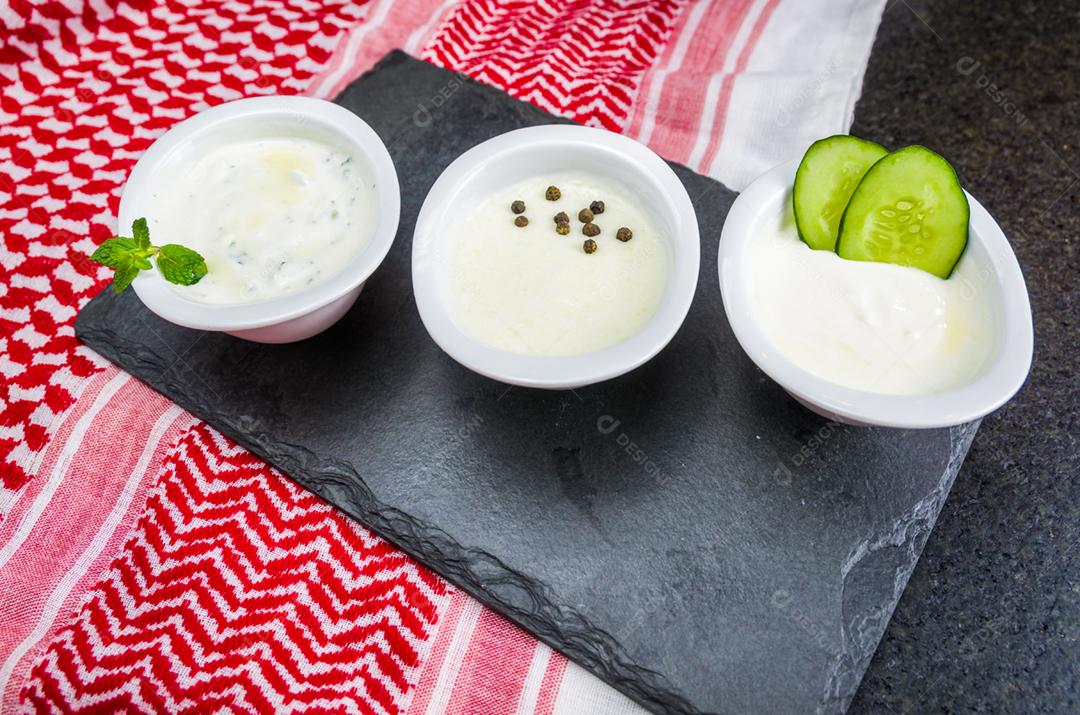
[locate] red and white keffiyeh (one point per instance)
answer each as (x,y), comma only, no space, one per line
(149,564)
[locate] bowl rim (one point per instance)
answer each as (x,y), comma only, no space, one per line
(999,380)
(163,300)
(557,372)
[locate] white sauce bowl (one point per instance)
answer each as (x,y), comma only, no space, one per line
(294,316)
(539,152)
(998,280)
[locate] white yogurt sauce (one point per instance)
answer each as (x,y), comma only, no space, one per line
(270,215)
(870,326)
(531,291)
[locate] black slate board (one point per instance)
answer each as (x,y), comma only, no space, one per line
(687,532)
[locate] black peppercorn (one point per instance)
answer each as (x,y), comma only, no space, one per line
(590,229)
(597,207)
(521,222)
(624,234)
(562,229)
(589,245)
(561,218)
(518,207)
(553,193)
(585,216)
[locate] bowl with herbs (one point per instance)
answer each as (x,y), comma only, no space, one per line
(874,289)
(555,256)
(260,217)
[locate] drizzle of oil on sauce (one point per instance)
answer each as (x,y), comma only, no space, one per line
(270,215)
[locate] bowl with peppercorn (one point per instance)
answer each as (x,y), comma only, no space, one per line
(555,256)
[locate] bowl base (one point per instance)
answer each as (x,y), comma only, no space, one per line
(305,326)
(831,416)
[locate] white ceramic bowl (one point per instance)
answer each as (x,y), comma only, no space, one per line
(539,151)
(290,317)
(999,282)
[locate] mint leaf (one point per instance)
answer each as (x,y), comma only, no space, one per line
(116,252)
(141,232)
(180,265)
(122,278)
(129,255)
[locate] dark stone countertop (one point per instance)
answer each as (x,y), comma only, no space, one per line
(990,620)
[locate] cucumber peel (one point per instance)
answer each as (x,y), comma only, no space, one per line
(827,176)
(908,209)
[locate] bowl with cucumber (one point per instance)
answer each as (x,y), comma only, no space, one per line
(874,289)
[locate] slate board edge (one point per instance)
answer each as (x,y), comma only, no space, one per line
(910,532)
(483,575)
(589,646)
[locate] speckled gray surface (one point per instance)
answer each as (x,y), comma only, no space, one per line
(687,531)
(990,621)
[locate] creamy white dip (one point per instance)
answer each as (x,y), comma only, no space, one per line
(531,291)
(870,326)
(271,215)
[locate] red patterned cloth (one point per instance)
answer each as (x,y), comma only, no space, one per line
(149,564)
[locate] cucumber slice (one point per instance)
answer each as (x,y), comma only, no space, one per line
(828,174)
(909,209)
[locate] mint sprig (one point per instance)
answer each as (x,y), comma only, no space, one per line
(129,255)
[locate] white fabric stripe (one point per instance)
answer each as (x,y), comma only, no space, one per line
(9,498)
(656,87)
(861,31)
(93,550)
(444,687)
(800,84)
(364,26)
(582,692)
(706,125)
(412,45)
(26,525)
(530,689)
